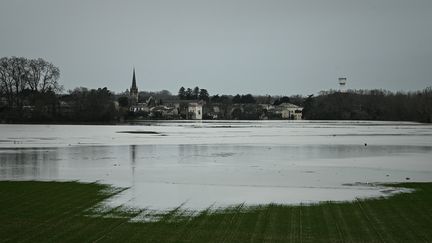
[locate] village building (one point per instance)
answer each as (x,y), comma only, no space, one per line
(291,111)
(139,107)
(170,109)
(135,106)
(195,110)
(213,111)
(165,112)
(187,109)
(199,109)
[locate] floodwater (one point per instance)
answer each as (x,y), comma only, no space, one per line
(221,163)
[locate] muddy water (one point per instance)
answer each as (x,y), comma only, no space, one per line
(199,164)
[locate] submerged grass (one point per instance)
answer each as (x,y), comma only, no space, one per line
(63,212)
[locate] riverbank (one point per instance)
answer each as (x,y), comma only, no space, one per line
(65,212)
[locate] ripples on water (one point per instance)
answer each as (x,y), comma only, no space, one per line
(199,164)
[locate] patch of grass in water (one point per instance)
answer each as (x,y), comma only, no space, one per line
(64,212)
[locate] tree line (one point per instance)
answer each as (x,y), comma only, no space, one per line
(30,92)
(193,94)
(370,105)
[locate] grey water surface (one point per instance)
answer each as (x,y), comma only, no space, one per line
(221,163)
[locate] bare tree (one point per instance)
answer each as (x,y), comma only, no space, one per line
(12,78)
(43,76)
(6,80)
(18,74)
(20,78)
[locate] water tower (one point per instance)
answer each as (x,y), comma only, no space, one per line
(342,84)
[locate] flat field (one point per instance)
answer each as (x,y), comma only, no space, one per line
(65,212)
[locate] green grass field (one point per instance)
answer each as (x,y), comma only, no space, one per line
(62,212)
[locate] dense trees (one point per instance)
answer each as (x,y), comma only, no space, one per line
(203,95)
(370,105)
(244,99)
(28,88)
(21,77)
(193,94)
(333,105)
(157,95)
(189,94)
(30,92)
(123,101)
(279,101)
(223,99)
(182,93)
(95,105)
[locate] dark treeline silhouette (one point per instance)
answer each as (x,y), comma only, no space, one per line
(193,94)
(28,89)
(244,99)
(157,95)
(143,96)
(370,105)
(84,105)
(30,92)
(223,99)
(282,100)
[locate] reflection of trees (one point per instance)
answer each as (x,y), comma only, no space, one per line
(24,163)
(191,153)
(133,151)
(133,154)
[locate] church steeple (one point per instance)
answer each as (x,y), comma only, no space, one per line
(134,90)
(134,86)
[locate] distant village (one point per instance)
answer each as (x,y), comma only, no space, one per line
(30,93)
(196,104)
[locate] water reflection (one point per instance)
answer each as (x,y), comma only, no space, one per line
(29,163)
(52,163)
(166,175)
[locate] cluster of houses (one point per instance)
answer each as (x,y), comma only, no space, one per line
(199,109)
(180,109)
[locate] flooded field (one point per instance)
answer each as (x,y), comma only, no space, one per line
(217,163)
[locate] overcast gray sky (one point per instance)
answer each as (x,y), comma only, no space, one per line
(226,46)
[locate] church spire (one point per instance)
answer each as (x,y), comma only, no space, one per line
(134,86)
(133,92)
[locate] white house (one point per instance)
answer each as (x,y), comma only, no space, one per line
(195,109)
(291,111)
